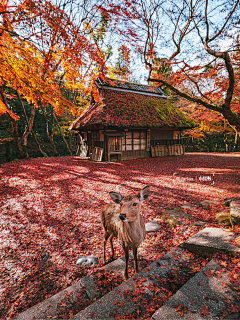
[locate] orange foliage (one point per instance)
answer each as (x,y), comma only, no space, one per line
(42,50)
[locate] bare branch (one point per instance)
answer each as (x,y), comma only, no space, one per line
(224,25)
(206,21)
(198,88)
(186,96)
(2,123)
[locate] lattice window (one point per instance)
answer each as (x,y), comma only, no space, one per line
(134,141)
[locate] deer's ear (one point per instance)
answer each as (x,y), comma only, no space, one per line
(144,193)
(117,197)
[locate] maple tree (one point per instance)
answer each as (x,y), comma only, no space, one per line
(186,49)
(44,48)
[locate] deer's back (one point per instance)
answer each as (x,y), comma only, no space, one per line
(110,219)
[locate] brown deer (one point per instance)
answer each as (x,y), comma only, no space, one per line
(123,220)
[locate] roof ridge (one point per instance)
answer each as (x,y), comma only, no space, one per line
(121,85)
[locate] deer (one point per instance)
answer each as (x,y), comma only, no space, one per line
(123,220)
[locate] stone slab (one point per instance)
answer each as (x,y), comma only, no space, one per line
(177,214)
(152,226)
(208,203)
(201,297)
(235,208)
(116,302)
(88,283)
(199,223)
(211,240)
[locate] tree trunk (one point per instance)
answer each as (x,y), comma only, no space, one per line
(16,138)
(28,130)
(236,142)
(13,125)
(193,143)
(71,145)
(50,136)
(226,143)
(60,130)
(32,132)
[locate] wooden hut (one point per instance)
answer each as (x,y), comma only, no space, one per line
(130,121)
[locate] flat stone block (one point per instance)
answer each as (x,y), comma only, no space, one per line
(211,240)
(177,214)
(104,307)
(235,209)
(117,265)
(199,223)
(152,226)
(208,203)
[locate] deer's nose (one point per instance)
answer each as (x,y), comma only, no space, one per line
(122,216)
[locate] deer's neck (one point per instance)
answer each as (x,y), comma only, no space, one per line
(133,232)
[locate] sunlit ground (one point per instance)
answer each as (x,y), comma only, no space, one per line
(51,207)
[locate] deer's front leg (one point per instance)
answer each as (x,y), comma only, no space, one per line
(111,242)
(106,236)
(126,252)
(135,259)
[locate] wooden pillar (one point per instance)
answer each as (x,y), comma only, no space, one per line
(105,144)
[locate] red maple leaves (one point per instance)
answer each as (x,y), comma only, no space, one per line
(50,216)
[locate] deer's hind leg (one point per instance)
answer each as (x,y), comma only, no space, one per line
(135,259)
(126,252)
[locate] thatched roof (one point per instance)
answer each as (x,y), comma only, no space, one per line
(132,107)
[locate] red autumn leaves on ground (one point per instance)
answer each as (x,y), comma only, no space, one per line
(50,215)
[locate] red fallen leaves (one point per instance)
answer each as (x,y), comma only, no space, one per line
(50,208)
(204,310)
(181,309)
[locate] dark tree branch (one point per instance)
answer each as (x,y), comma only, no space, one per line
(186,96)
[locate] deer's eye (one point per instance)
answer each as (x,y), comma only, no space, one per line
(134,204)
(120,204)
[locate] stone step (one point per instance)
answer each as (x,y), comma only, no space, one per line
(210,241)
(84,290)
(201,297)
(149,289)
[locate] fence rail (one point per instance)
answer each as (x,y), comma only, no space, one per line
(171,150)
